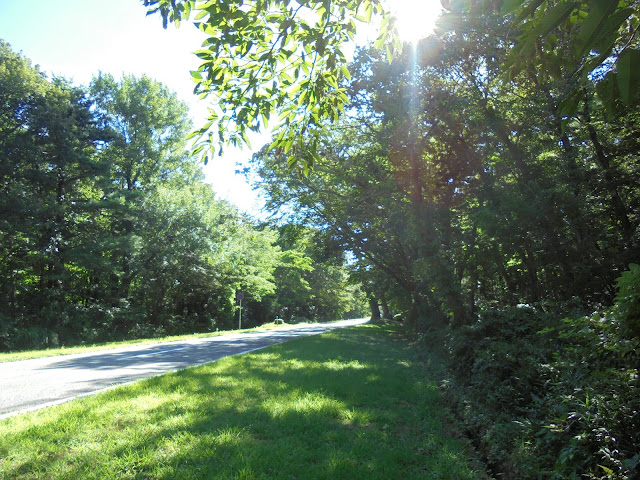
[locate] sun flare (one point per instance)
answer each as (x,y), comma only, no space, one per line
(415,19)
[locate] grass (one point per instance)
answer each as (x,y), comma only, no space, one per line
(51,352)
(350,404)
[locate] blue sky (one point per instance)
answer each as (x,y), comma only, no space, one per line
(78,38)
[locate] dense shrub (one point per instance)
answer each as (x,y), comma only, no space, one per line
(545,397)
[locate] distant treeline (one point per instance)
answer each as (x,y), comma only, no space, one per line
(107,230)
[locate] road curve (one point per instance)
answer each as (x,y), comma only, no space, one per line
(33,384)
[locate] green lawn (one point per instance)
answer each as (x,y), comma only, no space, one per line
(352,404)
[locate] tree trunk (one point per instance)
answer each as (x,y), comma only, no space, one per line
(375,310)
(386,312)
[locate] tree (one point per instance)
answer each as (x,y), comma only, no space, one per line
(107,228)
(462,194)
(268,57)
(148,147)
(149,127)
(445,179)
(20,86)
(351,198)
(575,42)
(294,293)
(194,253)
(312,280)
(50,178)
(599,35)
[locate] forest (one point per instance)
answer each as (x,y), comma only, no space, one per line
(479,188)
(486,181)
(108,230)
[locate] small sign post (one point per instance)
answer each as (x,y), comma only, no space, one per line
(240,296)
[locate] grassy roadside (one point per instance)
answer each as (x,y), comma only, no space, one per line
(351,404)
(51,352)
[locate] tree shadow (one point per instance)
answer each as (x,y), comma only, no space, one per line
(329,410)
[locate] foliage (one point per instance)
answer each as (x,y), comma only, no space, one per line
(575,42)
(270,57)
(547,397)
(107,228)
(597,32)
(311,283)
(476,212)
(149,126)
(471,199)
(484,181)
(628,299)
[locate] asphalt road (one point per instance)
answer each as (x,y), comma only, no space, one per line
(33,384)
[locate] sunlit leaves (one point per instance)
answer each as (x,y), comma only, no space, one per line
(149,126)
(264,57)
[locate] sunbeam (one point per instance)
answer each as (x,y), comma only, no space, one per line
(415,19)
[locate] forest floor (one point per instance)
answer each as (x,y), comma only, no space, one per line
(353,403)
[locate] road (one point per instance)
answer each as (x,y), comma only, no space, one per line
(33,384)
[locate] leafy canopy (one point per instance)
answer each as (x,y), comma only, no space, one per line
(264,57)
(579,41)
(287,57)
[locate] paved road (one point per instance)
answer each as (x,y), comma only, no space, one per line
(41,382)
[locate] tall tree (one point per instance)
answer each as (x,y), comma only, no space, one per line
(149,126)
(20,87)
(50,178)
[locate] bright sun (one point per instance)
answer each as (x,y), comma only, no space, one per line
(415,19)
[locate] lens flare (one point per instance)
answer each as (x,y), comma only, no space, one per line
(415,19)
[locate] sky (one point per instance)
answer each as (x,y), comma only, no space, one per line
(76,39)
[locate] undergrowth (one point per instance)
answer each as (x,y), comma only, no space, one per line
(550,397)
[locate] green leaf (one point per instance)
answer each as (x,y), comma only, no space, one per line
(345,72)
(607,91)
(288,145)
(568,108)
(302,98)
(366,16)
(510,6)
(554,17)
(607,470)
(605,41)
(529,9)
(629,74)
(591,29)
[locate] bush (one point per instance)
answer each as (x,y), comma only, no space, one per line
(499,367)
(628,300)
(34,338)
(545,397)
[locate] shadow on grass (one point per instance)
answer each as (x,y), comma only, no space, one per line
(347,405)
